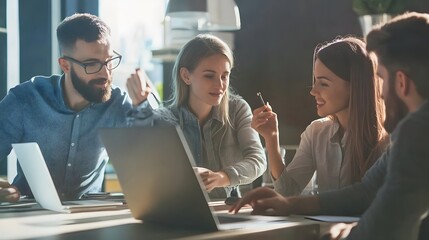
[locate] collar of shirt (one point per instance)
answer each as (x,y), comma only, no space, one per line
(187,115)
(334,134)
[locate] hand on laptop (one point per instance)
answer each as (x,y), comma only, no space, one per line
(8,193)
(339,231)
(212,179)
(138,87)
(264,201)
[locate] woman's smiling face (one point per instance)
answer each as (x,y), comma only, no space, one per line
(331,92)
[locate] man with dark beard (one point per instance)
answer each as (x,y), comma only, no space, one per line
(63,113)
(394,194)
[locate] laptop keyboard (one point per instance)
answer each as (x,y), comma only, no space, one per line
(69,203)
(226,219)
(83,202)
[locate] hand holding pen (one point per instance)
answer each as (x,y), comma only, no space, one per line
(264,120)
(261,100)
(138,87)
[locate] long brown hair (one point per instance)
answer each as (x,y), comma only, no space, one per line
(348,59)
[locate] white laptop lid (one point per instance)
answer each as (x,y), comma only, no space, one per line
(41,184)
(37,174)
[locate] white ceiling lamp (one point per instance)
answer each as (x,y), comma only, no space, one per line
(184,19)
(209,15)
(223,15)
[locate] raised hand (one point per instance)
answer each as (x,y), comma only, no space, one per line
(264,121)
(138,86)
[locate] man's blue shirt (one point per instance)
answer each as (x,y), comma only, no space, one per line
(35,111)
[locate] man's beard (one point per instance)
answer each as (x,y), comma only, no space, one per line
(89,91)
(396,109)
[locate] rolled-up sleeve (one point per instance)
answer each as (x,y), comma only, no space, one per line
(298,173)
(253,164)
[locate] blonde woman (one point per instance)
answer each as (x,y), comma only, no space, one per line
(216,122)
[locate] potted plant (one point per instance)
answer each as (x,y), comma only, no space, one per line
(372,12)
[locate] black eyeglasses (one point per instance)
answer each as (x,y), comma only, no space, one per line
(96,66)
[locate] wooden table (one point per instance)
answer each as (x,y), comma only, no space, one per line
(35,223)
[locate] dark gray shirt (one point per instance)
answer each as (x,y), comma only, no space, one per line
(394,192)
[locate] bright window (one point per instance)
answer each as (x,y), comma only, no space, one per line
(137,28)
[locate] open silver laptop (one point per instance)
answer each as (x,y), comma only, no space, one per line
(154,166)
(40,181)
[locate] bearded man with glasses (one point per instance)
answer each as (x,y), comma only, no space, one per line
(91,67)
(63,113)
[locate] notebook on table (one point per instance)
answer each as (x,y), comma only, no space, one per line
(154,166)
(40,181)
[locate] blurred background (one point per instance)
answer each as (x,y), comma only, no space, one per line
(273,42)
